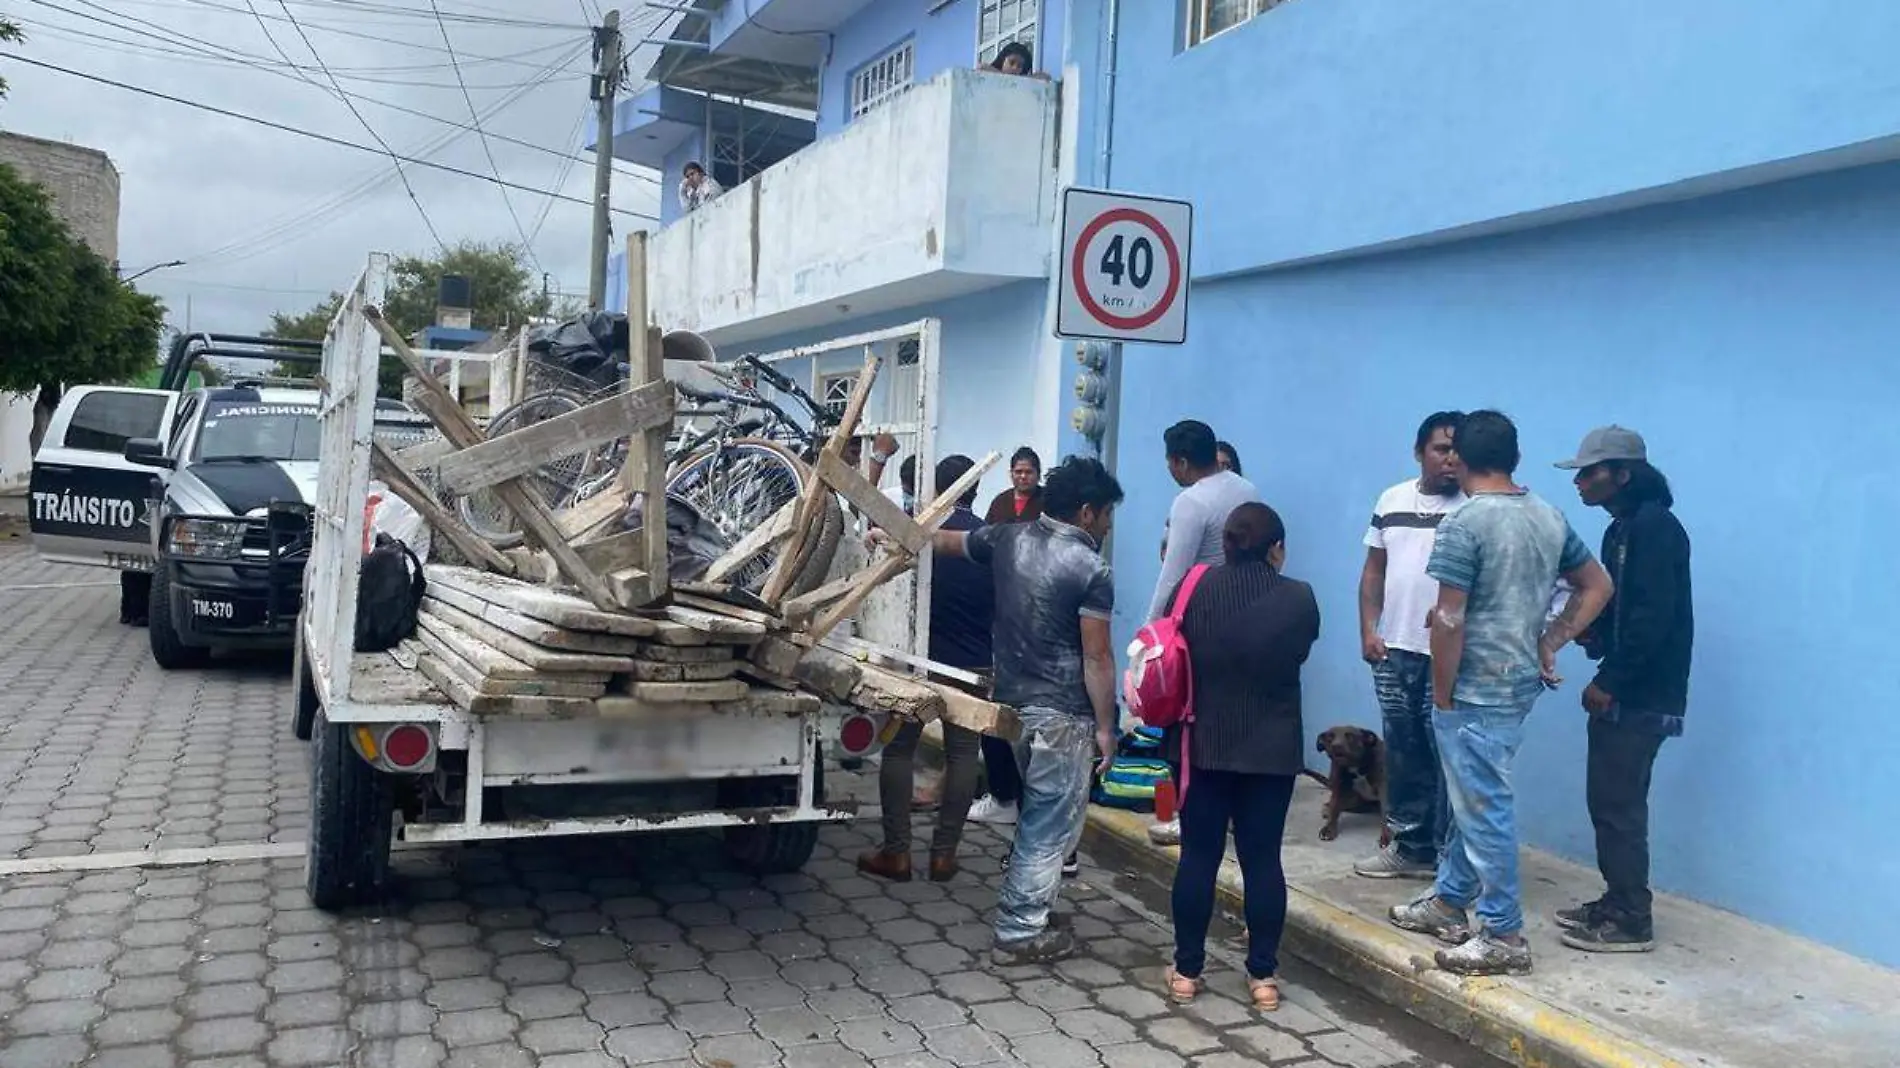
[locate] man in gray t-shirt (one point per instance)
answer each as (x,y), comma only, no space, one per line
(1199,515)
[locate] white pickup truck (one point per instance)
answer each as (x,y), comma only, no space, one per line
(395,760)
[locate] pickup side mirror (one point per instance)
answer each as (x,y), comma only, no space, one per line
(148,452)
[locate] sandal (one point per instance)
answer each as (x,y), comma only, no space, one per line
(1181,988)
(1265,993)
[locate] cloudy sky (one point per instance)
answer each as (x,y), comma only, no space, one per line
(267,220)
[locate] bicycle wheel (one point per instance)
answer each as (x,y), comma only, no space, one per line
(554,481)
(739,486)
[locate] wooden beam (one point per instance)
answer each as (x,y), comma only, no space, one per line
(416,493)
(613,551)
(536,602)
(586,518)
(811,504)
(975,713)
(756,541)
(884,513)
(448,416)
(520,452)
(886,691)
(864,583)
(645,469)
(426,454)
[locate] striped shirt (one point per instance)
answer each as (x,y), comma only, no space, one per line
(1404,524)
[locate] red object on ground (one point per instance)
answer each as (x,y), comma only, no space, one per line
(1164,801)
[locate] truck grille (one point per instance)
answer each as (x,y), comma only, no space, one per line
(285,529)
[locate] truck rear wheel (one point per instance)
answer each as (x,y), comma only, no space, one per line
(168,647)
(346,861)
(303,697)
(771,848)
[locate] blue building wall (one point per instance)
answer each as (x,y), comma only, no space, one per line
(1750,336)
(944,38)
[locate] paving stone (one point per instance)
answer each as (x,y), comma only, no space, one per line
(315,1007)
(1131,1002)
(649,1043)
(1095,1027)
(225,999)
(235,1034)
(846,1005)
(42,1051)
(136,1026)
(823,1055)
(1140,1055)
(1012,1018)
(1052,994)
(971,988)
(56,1017)
(592,1058)
(965,1044)
(1182,1035)
(1352,1051)
(624,1010)
(740,1051)
(1266,1043)
(500,1055)
(411,1051)
(144,992)
(393,1019)
(1053,1050)
(876,1038)
(318,1047)
(545,1002)
(475,1027)
(146,1056)
(708,1018)
(795,1026)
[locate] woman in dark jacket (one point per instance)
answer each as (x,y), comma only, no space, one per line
(1022,501)
(1249,629)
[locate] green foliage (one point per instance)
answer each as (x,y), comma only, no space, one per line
(502,282)
(8,32)
(65,317)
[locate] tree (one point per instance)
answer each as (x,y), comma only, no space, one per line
(501,282)
(64,315)
(8,32)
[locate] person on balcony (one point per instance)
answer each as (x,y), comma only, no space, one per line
(697,188)
(1016,58)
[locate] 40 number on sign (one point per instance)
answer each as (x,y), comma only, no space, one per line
(1136,262)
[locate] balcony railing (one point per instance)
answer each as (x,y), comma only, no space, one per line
(947,189)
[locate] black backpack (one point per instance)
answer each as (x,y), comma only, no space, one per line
(389,592)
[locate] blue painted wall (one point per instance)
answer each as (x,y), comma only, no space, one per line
(1751,337)
(943,39)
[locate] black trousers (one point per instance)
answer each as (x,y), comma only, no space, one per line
(999,766)
(1617,791)
(1255,807)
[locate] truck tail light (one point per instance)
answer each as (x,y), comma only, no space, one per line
(858,734)
(408,746)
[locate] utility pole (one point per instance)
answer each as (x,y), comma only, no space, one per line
(606,79)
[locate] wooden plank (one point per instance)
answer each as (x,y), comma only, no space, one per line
(829,674)
(478,704)
(879,690)
(381,679)
(719,627)
(632,588)
(810,504)
(920,666)
(708,671)
(799,610)
(589,516)
(777,656)
(489,685)
(435,402)
(520,452)
(551,606)
(756,541)
(722,608)
(758,702)
(535,656)
(975,713)
(865,583)
(884,513)
(645,470)
(683,654)
(424,455)
(535,630)
(416,493)
(451,643)
(759,674)
(678,692)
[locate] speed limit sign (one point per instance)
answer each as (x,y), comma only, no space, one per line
(1124,269)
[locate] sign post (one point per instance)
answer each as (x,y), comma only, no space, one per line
(1124,267)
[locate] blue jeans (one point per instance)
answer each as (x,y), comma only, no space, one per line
(1416,806)
(1056,755)
(1477,744)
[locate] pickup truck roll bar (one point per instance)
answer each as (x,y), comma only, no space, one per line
(186,349)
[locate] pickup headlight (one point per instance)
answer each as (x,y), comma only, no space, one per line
(215,539)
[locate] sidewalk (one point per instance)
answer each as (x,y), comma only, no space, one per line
(1720,991)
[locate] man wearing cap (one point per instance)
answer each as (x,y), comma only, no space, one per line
(1641,690)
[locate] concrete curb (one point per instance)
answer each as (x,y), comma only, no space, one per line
(1494,1015)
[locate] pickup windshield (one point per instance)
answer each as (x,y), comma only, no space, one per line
(249,431)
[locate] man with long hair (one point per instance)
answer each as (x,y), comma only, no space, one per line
(1641,690)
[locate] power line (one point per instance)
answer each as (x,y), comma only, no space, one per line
(93,39)
(470,17)
(313,135)
(371,130)
(494,168)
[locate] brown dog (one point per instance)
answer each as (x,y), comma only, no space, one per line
(1356,782)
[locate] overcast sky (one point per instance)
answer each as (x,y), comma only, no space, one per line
(270,221)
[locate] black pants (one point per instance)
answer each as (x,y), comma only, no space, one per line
(999,766)
(1255,806)
(1617,791)
(897,779)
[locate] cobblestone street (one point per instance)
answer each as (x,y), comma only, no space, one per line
(578,953)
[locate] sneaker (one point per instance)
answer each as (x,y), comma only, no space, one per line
(1486,954)
(1612,936)
(1388,863)
(1587,914)
(987,809)
(1165,834)
(1053,944)
(1071,866)
(1428,915)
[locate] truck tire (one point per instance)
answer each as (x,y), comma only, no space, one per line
(346,862)
(303,697)
(168,648)
(772,848)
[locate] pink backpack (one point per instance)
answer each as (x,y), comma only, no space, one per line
(1158,686)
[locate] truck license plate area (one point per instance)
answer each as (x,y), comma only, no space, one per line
(520,752)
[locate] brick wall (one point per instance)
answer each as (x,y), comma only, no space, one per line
(82,181)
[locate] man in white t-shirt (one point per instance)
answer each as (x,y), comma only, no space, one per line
(1395,598)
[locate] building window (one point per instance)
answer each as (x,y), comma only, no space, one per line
(1209,17)
(882,78)
(1004,21)
(835,393)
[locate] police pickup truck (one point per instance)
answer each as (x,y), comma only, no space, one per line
(201,499)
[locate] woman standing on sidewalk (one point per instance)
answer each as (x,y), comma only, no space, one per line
(1249,628)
